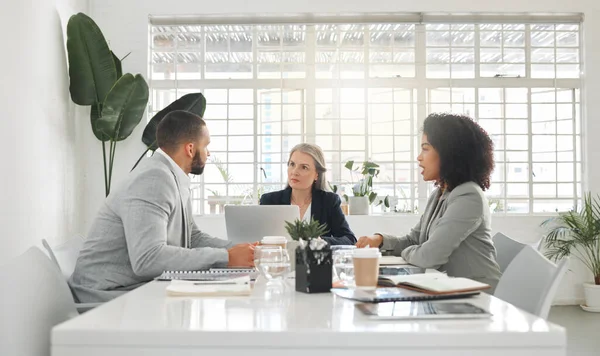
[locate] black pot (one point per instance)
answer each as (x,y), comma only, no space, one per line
(313,269)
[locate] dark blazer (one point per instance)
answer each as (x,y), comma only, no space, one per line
(325,208)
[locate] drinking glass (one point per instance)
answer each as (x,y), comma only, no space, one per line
(343,267)
(271,261)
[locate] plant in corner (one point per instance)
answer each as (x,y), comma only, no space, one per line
(313,256)
(577,233)
(117,100)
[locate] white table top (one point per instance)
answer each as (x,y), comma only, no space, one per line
(272,317)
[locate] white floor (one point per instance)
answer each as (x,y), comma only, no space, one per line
(583,329)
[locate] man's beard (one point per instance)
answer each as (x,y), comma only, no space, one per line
(197,164)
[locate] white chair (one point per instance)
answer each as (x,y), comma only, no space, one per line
(65,255)
(35,298)
(506,250)
(530,282)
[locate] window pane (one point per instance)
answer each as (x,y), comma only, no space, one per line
(352,89)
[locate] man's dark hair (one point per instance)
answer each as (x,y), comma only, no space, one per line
(178,127)
(466,151)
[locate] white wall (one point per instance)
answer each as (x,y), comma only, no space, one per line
(37,128)
(125,24)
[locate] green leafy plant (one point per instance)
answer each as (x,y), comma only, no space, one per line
(96,79)
(334,188)
(576,233)
(368,170)
(305,230)
(193,102)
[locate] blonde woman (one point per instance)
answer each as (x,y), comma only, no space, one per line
(306,188)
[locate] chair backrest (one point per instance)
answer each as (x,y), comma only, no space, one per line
(65,255)
(35,298)
(530,282)
(506,250)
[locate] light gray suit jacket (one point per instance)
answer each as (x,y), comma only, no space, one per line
(453,235)
(143,228)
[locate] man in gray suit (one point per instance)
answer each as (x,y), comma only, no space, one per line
(146,226)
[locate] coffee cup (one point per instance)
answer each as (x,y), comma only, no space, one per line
(366,267)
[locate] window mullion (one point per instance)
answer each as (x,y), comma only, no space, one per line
(420,72)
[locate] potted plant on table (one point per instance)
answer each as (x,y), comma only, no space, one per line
(313,256)
(577,233)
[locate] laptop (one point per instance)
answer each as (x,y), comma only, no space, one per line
(250,223)
(423,310)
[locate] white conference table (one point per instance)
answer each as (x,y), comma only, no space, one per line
(275,321)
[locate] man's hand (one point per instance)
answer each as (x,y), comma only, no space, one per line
(241,255)
(370,241)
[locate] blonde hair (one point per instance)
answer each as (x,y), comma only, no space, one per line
(318,157)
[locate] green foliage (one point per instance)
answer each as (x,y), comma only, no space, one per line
(96,79)
(306,230)
(368,170)
(576,233)
(193,102)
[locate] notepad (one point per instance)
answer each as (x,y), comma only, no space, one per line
(391,260)
(217,274)
(432,283)
(238,286)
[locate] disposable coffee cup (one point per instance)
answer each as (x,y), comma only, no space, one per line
(366,267)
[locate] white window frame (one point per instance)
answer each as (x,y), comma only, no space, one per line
(420,83)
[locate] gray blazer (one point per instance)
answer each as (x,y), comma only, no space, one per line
(143,228)
(453,235)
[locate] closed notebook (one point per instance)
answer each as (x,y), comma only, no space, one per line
(237,286)
(391,261)
(432,283)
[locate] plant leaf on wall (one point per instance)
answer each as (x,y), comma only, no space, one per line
(118,65)
(92,70)
(94,116)
(193,102)
(124,107)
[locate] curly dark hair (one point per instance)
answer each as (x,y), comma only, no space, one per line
(466,151)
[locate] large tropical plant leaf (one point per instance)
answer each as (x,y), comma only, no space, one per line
(124,107)
(92,70)
(118,65)
(94,116)
(193,102)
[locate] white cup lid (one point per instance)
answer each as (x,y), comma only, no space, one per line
(370,252)
(271,240)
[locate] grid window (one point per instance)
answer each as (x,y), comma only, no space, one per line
(362,90)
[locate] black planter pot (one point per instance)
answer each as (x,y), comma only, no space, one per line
(313,269)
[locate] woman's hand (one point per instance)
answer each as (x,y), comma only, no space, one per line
(369,241)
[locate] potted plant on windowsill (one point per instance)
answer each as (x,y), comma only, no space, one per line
(362,192)
(577,233)
(313,256)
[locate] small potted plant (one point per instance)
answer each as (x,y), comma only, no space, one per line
(363,194)
(577,233)
(313,256)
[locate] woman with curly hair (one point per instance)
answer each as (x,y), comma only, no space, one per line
(454,233)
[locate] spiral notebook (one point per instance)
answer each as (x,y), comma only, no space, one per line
(432,283)
(213,274)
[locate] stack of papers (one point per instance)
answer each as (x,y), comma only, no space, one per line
(237,286)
